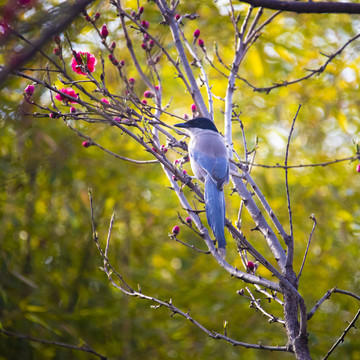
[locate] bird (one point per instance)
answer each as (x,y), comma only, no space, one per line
(209,162)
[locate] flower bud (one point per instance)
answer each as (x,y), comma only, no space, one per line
(250,265)
(104,32)
(177,17)
(57,51)
(196,33)
(143,46)
(151,44)
(113,45)
(141,10)
(358,168)
(145,24)
(189,220)
(97,16)
(175,230)
(72,110)
(193,108)
(131,81)
(29,90)
(148,94)
(86,144)
(201,43)
(122,62)
(144,102)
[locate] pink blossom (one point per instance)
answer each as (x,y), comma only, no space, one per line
(141,10)
(201,43)
(122,62)
(358,168)
(78,60)
(193,108)
(143,46)
(144,102)
(29,90)
(175,230)
(86,144)
(73,110)
(151,43)
(188,220)
(196,33)
(104,32)
(131,81)
(68,91)
(104,100)
(177,17)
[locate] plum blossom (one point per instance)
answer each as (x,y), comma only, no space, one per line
(69,91)
(78,60)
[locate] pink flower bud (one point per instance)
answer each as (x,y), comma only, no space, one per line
(146,37)
(115,62)
(143,46)
(117,119)
(184,172)
(87,18)
(131,81)
(153,149)
(122,62)
(358,168)
(57,51)
(86,144)
(113,45)
(97,16)
(104,32)
(144,102)
(148,94)
(111,57)
(188,220)
(157,59)
(72,110)
(157,87)
(176,162)
(193,108)
(177,17)
(201,43)
(174,178)
(151,43)
(145,24)
(105,101)
(250,265)
(175,230)
(196,33)
(29,90)
(141,10)
(52,116)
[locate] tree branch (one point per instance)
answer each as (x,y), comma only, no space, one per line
(307,7)
(84,348)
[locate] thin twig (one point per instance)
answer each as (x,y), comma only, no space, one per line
(327,296)
(312,217)
(83,348)
(290,240)
(341,338)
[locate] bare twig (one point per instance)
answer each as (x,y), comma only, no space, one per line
(327,296)
(290,239)
(341,338)
(83,348)
(312,217)
(256,303)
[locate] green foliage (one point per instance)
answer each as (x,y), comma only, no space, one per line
(51,283)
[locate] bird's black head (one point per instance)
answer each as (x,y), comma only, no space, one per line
(199,123)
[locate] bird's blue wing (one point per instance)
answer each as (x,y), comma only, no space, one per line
(216,168)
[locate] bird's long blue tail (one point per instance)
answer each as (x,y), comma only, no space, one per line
(215,212)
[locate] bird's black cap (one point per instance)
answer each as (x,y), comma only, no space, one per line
(199,123)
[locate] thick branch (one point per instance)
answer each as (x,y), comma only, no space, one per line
(307,7)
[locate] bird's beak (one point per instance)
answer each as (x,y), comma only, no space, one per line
(182,125)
